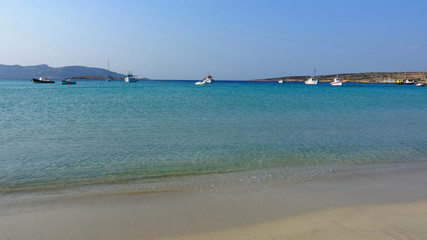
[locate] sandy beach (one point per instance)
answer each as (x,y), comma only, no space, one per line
(390,205)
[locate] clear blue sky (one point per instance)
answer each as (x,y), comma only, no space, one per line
(187,39)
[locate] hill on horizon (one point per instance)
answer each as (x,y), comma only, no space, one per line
(368,77)
(43,70)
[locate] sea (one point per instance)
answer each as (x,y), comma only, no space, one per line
(161,135)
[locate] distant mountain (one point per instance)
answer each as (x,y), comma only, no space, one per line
(17,71)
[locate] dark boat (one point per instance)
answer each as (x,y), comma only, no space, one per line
(42,80)
(69,81)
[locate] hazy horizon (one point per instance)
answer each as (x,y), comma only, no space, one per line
(233,40)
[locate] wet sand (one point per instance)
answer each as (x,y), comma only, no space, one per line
(390,205)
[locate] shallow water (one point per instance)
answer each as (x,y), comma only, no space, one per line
(98,132)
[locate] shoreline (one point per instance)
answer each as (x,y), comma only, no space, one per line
(204,182)
(355,206)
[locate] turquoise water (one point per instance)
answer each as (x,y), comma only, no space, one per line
(98,132)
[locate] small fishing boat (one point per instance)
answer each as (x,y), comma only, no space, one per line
(130,78)
(69,81)
(420,85)
(408,82)
(399,82)
(42,80)
(280,81)
(208,79)
(337,82)
(312,80)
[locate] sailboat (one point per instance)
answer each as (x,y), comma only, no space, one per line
(408,81)
(108,74)
(398,81)
(312,80)
(282,79)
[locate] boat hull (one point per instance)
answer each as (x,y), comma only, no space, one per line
(311,82)
(336,83)
(64,82)
(130,79)
(41,81)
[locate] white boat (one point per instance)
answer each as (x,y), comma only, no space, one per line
(200,83)
(312,80)
(280,81)
(408,82)
(337,82)
(208,79)
(130,78)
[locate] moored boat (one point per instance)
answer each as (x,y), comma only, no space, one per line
(208,79)
(200,83)
(42,80)
(399,82)
(108,78)
(420,85)
(69,81)
(130,78)
(337,82)
(280,81)
(312,80)
(408,82)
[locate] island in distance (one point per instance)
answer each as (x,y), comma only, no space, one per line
(368,77)
(43,70)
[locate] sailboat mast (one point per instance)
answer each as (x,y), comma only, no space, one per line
(398,70)
(108,70)
(405,71)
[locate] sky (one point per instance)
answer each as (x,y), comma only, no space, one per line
(230,39)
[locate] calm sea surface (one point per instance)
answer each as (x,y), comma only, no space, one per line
(97,132)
